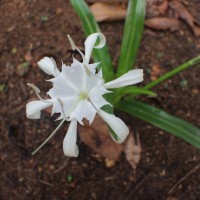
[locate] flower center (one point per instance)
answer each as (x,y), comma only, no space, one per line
(83,95)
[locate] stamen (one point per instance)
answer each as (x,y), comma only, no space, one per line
(61,105)
(37,91)
(52,134)
(74,47)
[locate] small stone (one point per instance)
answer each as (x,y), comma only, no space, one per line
(21,179)
(109,163)
(52,167)
(183,83)
(14,50)
(39,169)
(163,172)
(195,91)
(44,18)
(28,56)
(23,68)
(10,69)
(59,11)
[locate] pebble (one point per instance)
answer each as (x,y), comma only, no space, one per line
(39,169)
(52,167)
(195,91)
(109,163)
(59,11)
(23,68)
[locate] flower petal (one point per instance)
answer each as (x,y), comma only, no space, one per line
(70,147)
(131,77)
(96,96)
(48,65)
(116,124)
(84,109)
(33,108)
(90,44)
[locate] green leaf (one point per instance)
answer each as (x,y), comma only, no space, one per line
(132,35)
(90,26)
(163,120)
(107,108)
(133,91)
(114,135)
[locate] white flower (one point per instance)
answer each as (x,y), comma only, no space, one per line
(77,93)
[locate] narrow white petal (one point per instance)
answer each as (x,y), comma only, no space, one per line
(33,108)
(92,67)
(116,124)
(131,77)
(96,96)
(74,47)
(90,44)
(70,147)
(48,65)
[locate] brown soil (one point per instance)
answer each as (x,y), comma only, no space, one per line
(40,27)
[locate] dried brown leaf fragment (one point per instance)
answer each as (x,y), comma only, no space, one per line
(104,11)
(182,12)
(133,151)
(97,137)
(162,23)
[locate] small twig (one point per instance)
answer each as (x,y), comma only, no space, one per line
(45,183)
(192,171)
(62,167)
(137,187)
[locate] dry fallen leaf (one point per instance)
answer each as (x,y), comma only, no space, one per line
(103,11)
(162,8)
(97,137)
(182,13)
(110,1)
(133,151)
(152,8)
(162,23)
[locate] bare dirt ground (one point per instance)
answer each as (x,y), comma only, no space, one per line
(169,168)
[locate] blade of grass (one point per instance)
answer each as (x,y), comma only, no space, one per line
(133,29)
(163,120)
(173,72)
(90,26)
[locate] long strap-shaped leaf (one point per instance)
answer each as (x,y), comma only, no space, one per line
(132,34)
(163,120)
(90,26)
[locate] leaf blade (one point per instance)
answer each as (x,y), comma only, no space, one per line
(133,29)
(163,120)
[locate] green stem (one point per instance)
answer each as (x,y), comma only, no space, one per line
(173,72)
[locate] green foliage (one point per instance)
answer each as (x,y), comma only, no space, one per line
(133,29)
(163,120)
